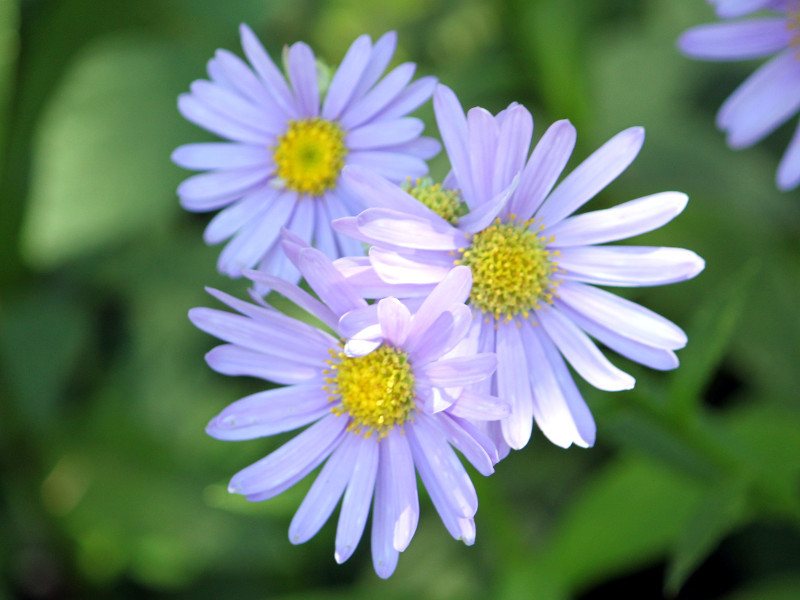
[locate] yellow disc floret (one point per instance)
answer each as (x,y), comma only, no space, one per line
(376,390)
(445,203)
(512,269)
(310,155)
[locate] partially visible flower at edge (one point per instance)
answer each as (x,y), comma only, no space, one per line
(771,95)
(380,403)
(287,146)
(534,266)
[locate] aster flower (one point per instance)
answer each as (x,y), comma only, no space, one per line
(380,402)
(287,146)
(771,95)
(534,266)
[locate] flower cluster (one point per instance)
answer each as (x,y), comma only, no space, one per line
(455,332)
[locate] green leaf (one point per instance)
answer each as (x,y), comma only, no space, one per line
(721,511)
(709,336)
(101,162)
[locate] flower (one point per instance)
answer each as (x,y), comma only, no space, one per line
(380,403)
(287,146)
(534,266)
(771,95)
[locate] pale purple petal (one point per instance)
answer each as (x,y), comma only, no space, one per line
(232,218)
(235,360)
(395,321)
(274,81)
(395,166)
(359,272)
(628,265)
(479,407)
(480,217)
(543,169)
(393,268)
(325,492)
(336,208)
(302,69)
(233,106)
(619,222)
(581,352)
(737,40)
(375,100)
(240,78)
(453,129)
(254,239)
(379,59)
(346,77)
(453,288)
(448,330)
(592,175)
(763,102)
(357,499)
(422,147)
(403,502)
(297,296)
(323,237)
(558,407)
(382,134)
(466,443)
(410,231)
(221,155)
(374,191)
(513,385)
(457,371)
(292,461)
(327,282)
(737,8)
(270,412)
(789,169)
(198,113)
(411,98)
(650,356)
(482,134)
(212,190)
(516,131)
(627,318)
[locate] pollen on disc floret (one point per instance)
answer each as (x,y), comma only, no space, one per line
(376,390)
(446,203)
(310,155)
(512,268)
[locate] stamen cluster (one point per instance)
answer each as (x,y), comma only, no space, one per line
(310,155)
(376,390)
(512,269)
(445,203)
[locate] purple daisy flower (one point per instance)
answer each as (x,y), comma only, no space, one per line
(771,95)
(534,266)
(381,403)
(287,146)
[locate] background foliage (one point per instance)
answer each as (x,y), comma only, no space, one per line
(110,488)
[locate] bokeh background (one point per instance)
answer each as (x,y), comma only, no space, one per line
(111,489)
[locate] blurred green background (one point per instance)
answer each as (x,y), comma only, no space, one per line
(110,487)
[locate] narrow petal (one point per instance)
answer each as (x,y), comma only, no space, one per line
(234,217)
(763,102)
(789,169)
(453,129)
(292,461)
(650,356)
(617,223)
(346,77)
(409,231)
(592,175)
(230,359)
(737,8)
(623,316)
(357,499)
(297,296)
(325,492)
(737,40)
(558,407)
(482,216)
(422,147)
(360,273)
(453,288)
(629,265)
(543,168)
(236,108)
(274,81)
(465,442)
(327,282)
(395,166)
(365,109)
(514,142)
(411,98)
(395,321)
(383,134)
(457,371)
(482,134)
(212,190)
(513,385)
(270,412)
(379,59)
(221,155)
(442,336)
(480,407)
(581,352)
(375,191)
(243,80)
(393,268)
(302,69)
(200,114)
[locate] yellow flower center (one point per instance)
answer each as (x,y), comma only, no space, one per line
(512,269)
(310,155)
(376,390)
(445,203)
